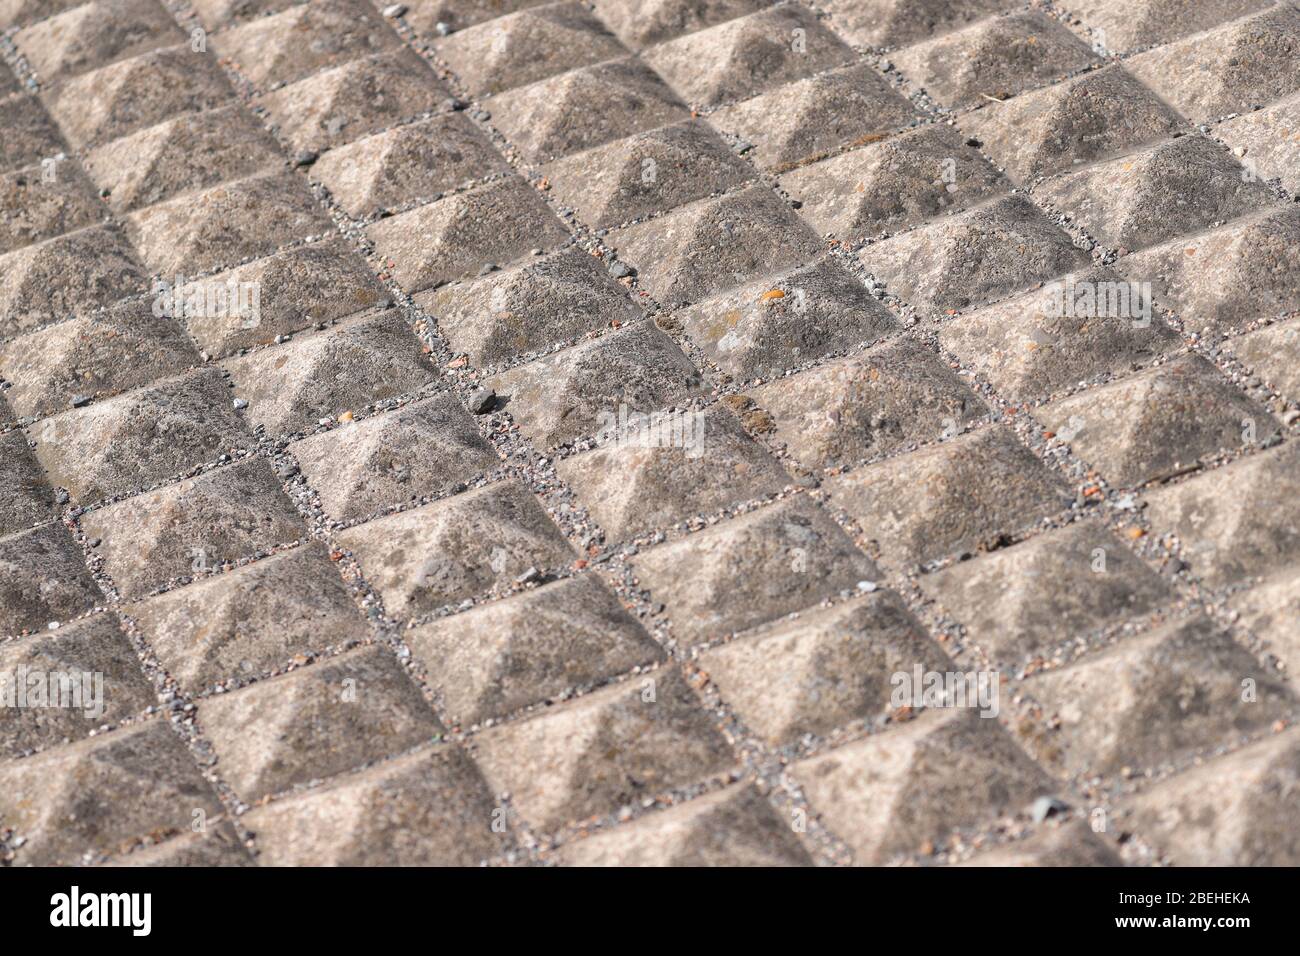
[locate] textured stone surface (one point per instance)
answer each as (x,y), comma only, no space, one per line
(457,548)
(200,523)
(390,459)
(322,374)
(663,468)
(734,827)
(891,793)
(867,405)
(528,308)
(822,669)
(646,173)
(772,324)
(528,649)
(317,721)
(634,388)
(605,751)
(431,808)
(1158,422)
(102,796)
(954,497)
(1014,606)
(254,620)
(577,391)
(104,684)
(1160,696)
(751,570)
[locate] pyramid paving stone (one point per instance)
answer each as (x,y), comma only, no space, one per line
(534,306)
(1269,612)
(20,13)
(608,750)
(296,288)
(104,795)
(950,498)
(643,23)
(714,244)
(527,46)
(123,347)
(221,516)
(1242,64)
(581,390)
(896,23)
(420,449)
(143,437)
(26,498)
(241,220)
(1273,353)
(418,160)
(94,35)
(900,182)
(104,683)
(1140,200)
(356,364)
(743,57)
(646,173)
(339,105)
(220,13)
(751,570)
(333,716)
(997,58)
(663,468)
(804,121)
(1035,344)
(733,827)
(751,332)
(867,405)
(218,845)
(32,209)
(270,51)
(1268,141)
(1246,270)
(1241,521)
(30,134)
(585,108)
(72,275)
(1132,24)
(456,549)
(1073,845)
(423,16)
(970,259)
(456,237)
(499,658)
(190,152)
(823,669)
(250,621)
(1056,587)
(1152,699)
(1099,114)
(1155,423)
(43,579)
(430,808)
(136,94)
(1238,810)
(889,794)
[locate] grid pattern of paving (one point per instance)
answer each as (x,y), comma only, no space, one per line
(350,607)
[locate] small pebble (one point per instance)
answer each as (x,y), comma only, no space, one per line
(395,10)
(240,403)
(482,401)
(1045,807)
(305,158)
(620,270)
(80,400)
